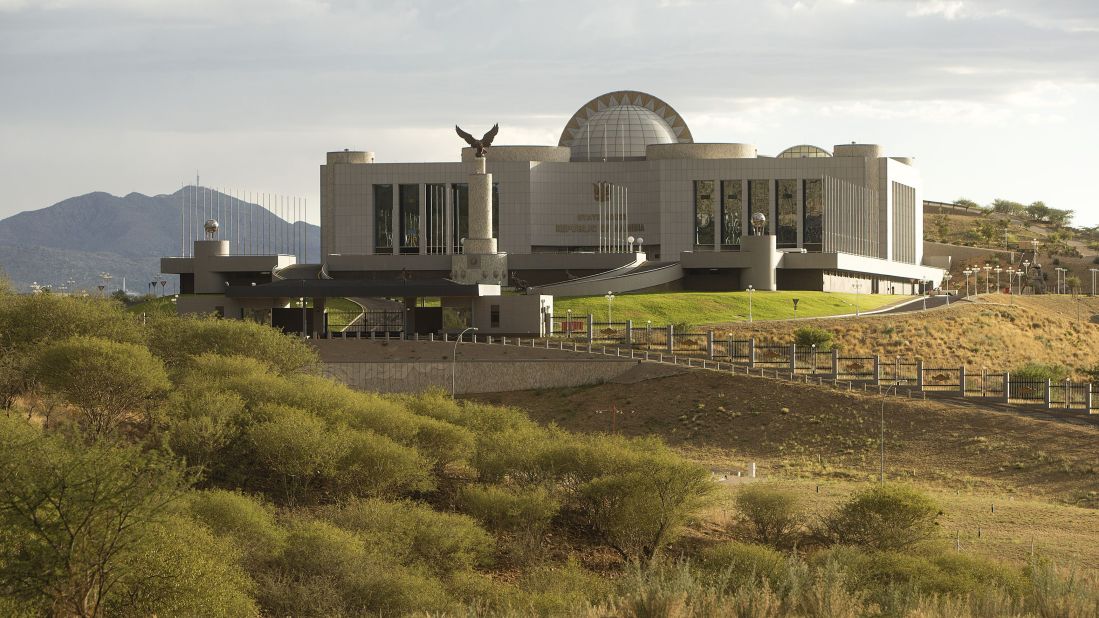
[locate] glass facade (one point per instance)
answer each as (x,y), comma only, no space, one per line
(813,231)
(704,213)
(409,218)
(436,218)
(383,218)
(786,225)
(803,151)
(732,205)
(759,200)
(460,206)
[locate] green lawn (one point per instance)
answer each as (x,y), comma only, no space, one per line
(342,304)
(154,306)
(718,307)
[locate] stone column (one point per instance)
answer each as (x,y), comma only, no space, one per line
(1007,386)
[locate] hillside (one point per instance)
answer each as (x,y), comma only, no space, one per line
(823,440)
(78,238)
(997,332)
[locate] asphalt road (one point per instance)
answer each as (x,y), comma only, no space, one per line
(932,303)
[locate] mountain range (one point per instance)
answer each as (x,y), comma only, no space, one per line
(69,245)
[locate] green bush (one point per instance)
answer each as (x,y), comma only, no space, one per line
(1040,372)
(743,564)
(814,335)
(772,514)
(509,510)
(106,381)
(177,339)
(297,449)
(248,522)
(375,466)
(888,517)
(415,535)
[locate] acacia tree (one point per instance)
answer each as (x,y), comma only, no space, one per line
(104,380)
(90,530)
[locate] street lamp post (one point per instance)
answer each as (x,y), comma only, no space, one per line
(610,299)
(568,324)
(966,273)
(998,271)
(881,442)
(750,290)
(858,287)
(988,275)
(454,361)
(1093,271)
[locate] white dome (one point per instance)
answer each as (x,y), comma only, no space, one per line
(620,125)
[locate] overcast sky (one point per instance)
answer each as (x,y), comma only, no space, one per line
(992,98)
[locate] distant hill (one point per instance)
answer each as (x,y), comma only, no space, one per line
(77,239)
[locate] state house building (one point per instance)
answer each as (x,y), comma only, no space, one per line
(628,200)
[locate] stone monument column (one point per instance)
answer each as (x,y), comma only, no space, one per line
(480,241)
(480,262)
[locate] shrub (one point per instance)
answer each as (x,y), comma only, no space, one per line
(813,335)
(415,535)
(106,381)
(249,522)
(888,517)
(741,564)
(375,466)
(772,514)
(638,512)
(297,448)
(177,339)
(1040,372)
(201,425)
(509,510)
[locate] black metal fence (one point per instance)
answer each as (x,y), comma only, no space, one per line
(898,371)
(855,368)
(1069,395)
(772,355)
(570,326)
(372,323)
(1029,391)
(609,332)
(942,378)
(690,342)
(984,384)
(809,360)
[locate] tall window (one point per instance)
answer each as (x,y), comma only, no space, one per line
(383,218)
(460,201)
(732,203)
(436,218)
(759,200)
(787,209)
(704,213)
(410,218)
(813,233)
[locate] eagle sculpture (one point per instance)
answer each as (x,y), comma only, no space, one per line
(480,144)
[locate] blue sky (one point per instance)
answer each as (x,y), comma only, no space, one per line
(993,99)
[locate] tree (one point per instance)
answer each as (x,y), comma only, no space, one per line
(106,381)
(887,517)
(967,204)
(1060,218)
(1008,207)
(772,514)
(92,530)
(1038,211)
(637,513)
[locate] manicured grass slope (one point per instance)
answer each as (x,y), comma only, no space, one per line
(712,307)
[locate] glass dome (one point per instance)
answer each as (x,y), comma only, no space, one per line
(619,125)
(804,150)
(620,132)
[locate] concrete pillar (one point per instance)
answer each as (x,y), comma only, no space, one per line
(1007,386)
(629,332)
(763,258)
(877,369)
(710,343)
(591,323)
(835,362)
(751,352)
(671,338)
(793,358)
(1049,398)
(961,381)
(1087,397)
(919,373)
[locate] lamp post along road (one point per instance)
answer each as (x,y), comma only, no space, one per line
(610,299)
(750,290)
(454,361)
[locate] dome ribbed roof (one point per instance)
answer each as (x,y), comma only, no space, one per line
(619,125)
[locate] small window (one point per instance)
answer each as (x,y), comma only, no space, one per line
(494,315)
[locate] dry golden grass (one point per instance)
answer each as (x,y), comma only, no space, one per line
(1041,473)
(997,332)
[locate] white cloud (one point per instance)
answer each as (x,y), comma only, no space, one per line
(949,9)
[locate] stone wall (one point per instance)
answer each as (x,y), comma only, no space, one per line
(477,376)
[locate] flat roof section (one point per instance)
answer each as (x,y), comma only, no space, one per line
(363,288)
